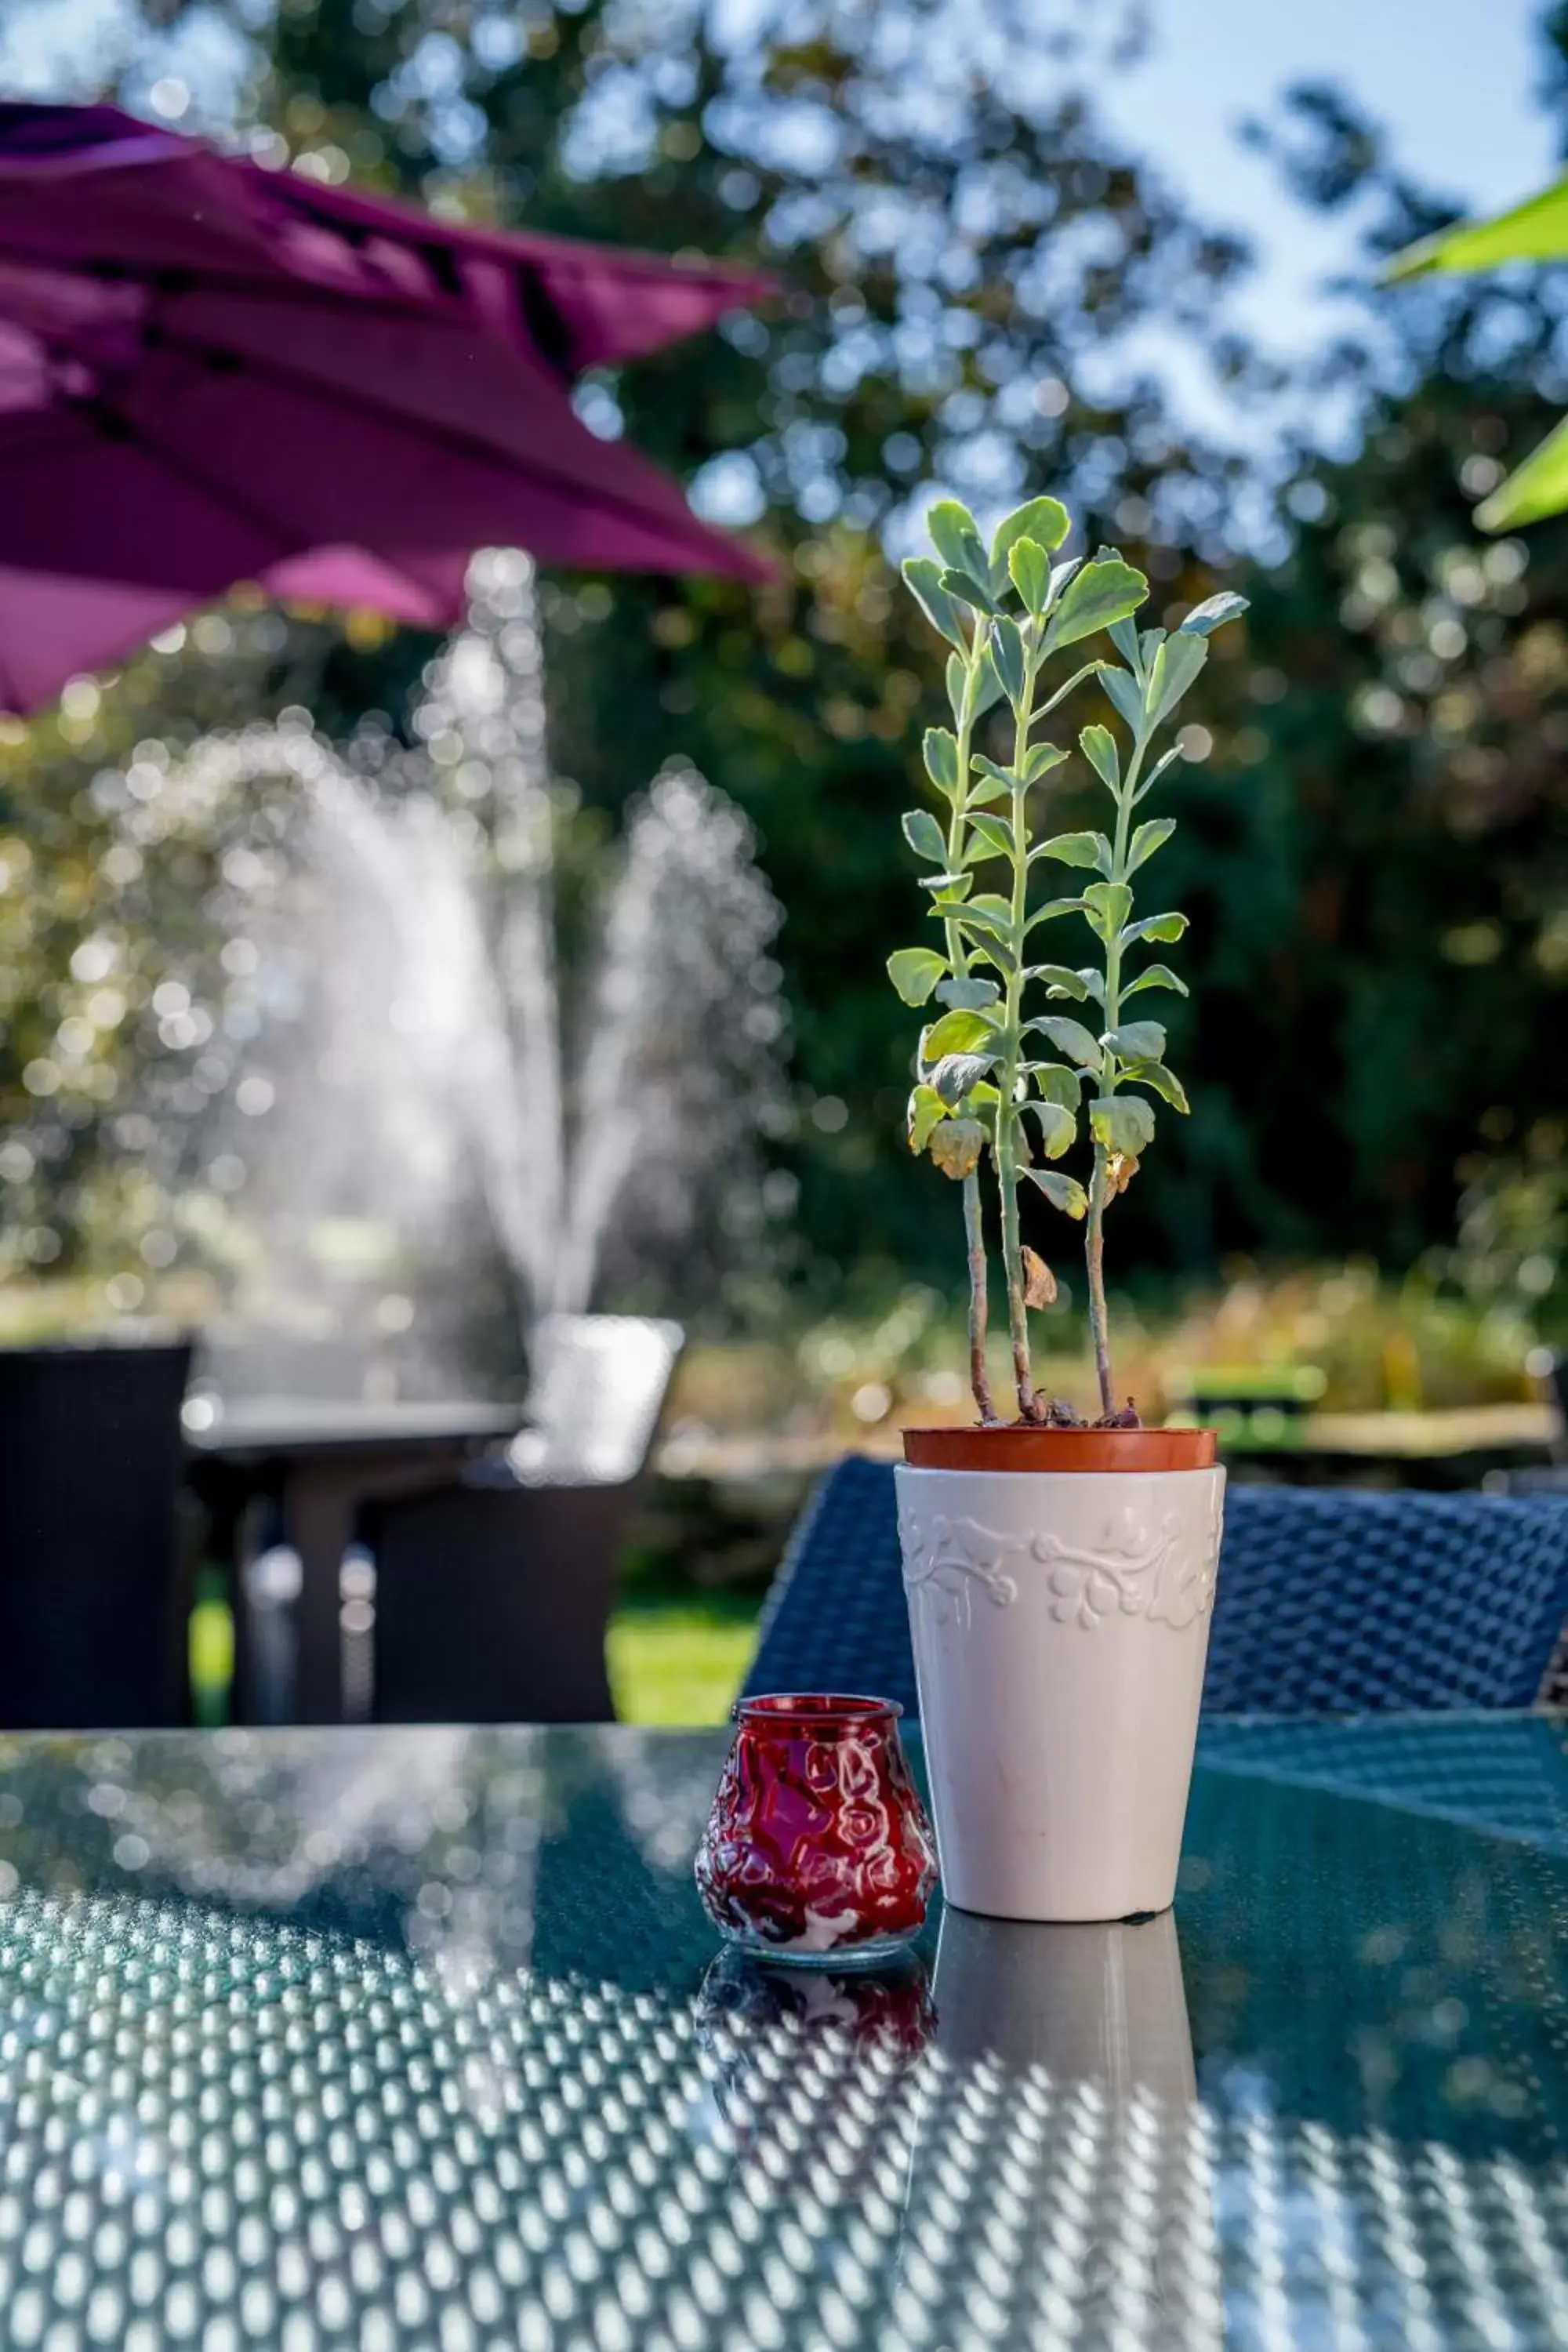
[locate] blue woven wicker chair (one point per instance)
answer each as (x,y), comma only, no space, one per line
(1328,1601)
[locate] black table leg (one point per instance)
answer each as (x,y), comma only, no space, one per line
(319,1502)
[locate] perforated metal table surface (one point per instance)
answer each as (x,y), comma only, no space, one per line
(419,2039)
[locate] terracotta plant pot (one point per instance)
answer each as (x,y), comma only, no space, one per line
(1013,1446)
(1059,1586)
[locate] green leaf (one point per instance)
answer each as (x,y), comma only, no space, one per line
(955,882)
(1147,839)
(1045,520)
(976,918)
(967,993)
(1002,776)
(1107,906)
(1007,653)
(940,750)
(1122,1123)
(1536,489)
(1213,614)
(1076,850)
(1106,590)
(1159,975)
(1535,230)
(1073,1039)
(1040,759)
(915,971)
(924,579)
(955,538)
(989,691)
(1064,1192)
(956,1147)
(1057,1125)
(1163,1081)
(924,835)
(991,903)
(959,1032)
(1085,981)
(966,589)
(956,1073)
(1175,665)
(1052,909)
(1124,637)
(1030,572)
(957,686)
(1054,1082)
(1059,980)
(987,792)
(1163,928)
(1068,685)
(1098,747)
(994,832)
(924,1111)
(1166,760)
(1127,696)
(1061,575)
(1136,1041)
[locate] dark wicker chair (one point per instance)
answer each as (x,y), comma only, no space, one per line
(1326,1602)
(492,1592)
(92,1613)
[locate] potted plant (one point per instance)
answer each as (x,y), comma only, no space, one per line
(1059,1574)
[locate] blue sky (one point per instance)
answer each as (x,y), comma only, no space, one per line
(1453,78)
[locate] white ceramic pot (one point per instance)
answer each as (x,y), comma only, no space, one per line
(1060,1621)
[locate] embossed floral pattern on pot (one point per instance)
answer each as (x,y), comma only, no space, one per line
(1135,1568)
(817,1848)
(953,1560)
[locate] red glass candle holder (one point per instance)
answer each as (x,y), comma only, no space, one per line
(817,1850)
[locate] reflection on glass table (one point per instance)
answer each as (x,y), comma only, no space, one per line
(420,2038)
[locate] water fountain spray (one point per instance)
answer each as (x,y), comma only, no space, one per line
(420,1058)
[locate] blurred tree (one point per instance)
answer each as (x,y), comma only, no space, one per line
(980,290)
(971,273)
(1382,830)
(123,899)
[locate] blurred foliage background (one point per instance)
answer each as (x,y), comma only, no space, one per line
(979,291)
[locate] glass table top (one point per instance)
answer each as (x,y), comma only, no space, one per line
(420,2039)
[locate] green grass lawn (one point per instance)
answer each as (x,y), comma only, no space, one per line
(681,1659)
(676,1659)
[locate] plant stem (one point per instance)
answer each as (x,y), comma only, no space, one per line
(958,961)
(979,1378)
(1099,1182)
(1005,1149)
(1094,1253)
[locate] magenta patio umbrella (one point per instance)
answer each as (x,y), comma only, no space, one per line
(211,372)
